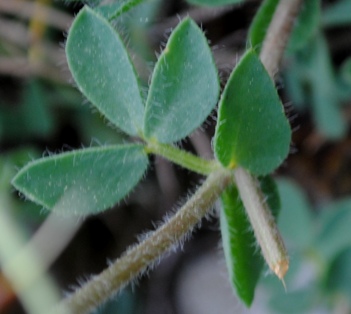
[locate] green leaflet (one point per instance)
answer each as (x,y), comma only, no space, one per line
(243,259)
(184,87)
(214,3)
(260,23)
(252,130)
(103,71)
(84,181)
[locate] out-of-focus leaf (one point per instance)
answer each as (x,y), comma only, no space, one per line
(244,261)
(184,87)
(85,181)
(337,14)
(335,232)
(32,115)
(252,130)
(115,9)
(214,3)
(260,23)
(293,83)
(345,71)
(338,278)
(101,67)
(299,301)
(295,221)
(306,25)
(325,98)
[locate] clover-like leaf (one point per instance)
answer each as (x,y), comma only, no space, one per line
(243,259)
(84,181)
(184,87)
(101,67)
(252,129)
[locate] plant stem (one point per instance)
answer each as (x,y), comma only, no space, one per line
(262,221)
(266,231)
(138,258)
(278,34)
(183,158)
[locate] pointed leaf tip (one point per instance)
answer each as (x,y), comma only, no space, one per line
(103,72)
(184,87)
(252,130)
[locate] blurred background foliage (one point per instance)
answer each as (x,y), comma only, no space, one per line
(42,113)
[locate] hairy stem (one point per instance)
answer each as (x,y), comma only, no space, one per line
(278,34)
(138,258)
(183,158)
(262,221)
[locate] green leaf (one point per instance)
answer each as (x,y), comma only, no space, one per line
(184,87)
(103,71)
(84,181)
(334,234)
(306,25)
(345,72)
(243,259)
(244,262)
(338,278)
(325,99)
(299,301)
(337,14)
(32,114)
(213,3)
(295,220)
(252,130)
(114,10)
(260,23)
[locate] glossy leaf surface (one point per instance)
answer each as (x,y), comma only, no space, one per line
(184,87)
(103,71)
(243,259)
(260,23)
(84,181)
(252,129)
(214,3)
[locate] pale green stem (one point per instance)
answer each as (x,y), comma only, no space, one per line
(262,221)
(183,158)
(139,257)
(278,34)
